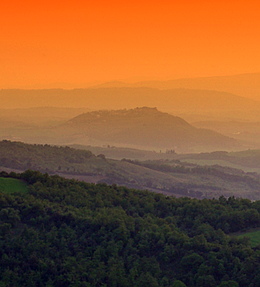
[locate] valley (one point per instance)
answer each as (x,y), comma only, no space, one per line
(129,143)
(175,175)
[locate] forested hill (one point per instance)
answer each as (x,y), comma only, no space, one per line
(48,158)
(62,232)
(146,128)
(171,177)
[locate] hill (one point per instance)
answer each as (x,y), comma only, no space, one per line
(145,128)
(169,176)
(70,233)
(34,124)
(207,102)
(115,152)
(244,85)
(248,160)
(247,132)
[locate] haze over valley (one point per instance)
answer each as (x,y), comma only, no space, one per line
(141,148)
(145,128)
(130,143)
(231,121)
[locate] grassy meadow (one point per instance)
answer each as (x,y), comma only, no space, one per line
(254,236)
(10,185)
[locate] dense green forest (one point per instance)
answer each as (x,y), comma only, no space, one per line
(62,232)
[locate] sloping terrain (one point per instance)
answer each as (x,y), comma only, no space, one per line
(70,233)
(248,132)
(248,160)
(171,177)
(145,128)
(244,85)
(203,101)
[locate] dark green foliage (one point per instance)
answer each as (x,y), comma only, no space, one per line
(70,233)
(18,155)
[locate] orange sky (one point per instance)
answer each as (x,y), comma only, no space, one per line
(72,43)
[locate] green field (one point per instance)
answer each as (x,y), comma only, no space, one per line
(10,185)
(254,237)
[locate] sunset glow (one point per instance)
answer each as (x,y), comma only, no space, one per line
(47,44)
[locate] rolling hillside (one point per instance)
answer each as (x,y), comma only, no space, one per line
(244,85)
(248,132)
(145,128)
(178,100)
(69,233)
(171,177)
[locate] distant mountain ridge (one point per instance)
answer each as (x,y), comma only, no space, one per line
(145,127)
(40,114)
(245,85)
(171,100)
